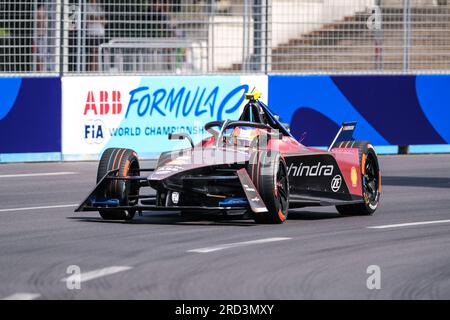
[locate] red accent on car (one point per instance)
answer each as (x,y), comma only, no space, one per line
(346,159)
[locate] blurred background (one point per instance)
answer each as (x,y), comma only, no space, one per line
(62,37)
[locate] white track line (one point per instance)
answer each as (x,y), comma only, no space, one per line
(42,174)
(42,207)
(91,275)
(400,225)
(236,244)
(22,296)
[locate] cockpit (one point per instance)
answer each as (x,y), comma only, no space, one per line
(255,120)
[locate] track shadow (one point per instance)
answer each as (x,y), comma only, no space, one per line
(311,215)
(174,219)
(427,182)
(209,220)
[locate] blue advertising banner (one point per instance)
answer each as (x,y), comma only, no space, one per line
(390,110)
(30,115)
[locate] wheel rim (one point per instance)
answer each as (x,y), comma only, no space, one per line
(371,179)
(282,188)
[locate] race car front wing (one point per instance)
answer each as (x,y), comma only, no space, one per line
(97,201)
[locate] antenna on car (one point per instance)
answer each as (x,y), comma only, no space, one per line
(302,137)
(253,95)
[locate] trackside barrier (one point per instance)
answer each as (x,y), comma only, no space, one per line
(76,118)
(391,110)
(139,112)
(30,119)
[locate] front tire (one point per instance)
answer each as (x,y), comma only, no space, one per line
(268,172)
(370,180)
(126,192)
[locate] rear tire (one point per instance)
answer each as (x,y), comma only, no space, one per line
(370,177)
(125,191)
(268,171)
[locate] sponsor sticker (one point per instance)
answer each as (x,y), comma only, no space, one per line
(168,169)
(354,177)
(336,183)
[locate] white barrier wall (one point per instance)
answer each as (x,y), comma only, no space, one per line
(139,112)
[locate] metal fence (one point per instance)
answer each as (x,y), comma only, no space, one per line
(29,36)
(70,37)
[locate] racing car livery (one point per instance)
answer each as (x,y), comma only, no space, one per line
(250,166)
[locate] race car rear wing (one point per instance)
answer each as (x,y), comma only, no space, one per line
(345,133)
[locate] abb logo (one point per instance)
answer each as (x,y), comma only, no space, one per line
(103,103)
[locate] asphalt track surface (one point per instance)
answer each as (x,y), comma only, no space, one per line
(317,254)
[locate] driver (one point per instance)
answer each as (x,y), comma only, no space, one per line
(241,136)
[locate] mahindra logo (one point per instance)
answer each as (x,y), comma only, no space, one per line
(310,171)
(103,103)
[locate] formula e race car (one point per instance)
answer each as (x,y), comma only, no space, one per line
(252,166)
